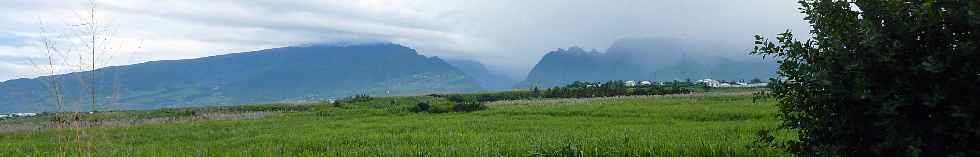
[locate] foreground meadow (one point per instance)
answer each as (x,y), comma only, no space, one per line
(718,124)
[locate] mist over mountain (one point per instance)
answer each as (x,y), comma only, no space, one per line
(645,59)
(489,81)
(271,75)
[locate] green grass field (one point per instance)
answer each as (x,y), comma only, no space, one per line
(714,124)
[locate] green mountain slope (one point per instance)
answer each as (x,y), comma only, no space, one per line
(281,74)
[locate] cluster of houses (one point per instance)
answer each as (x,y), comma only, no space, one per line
(631,83)
(708,82)
(12,115)
(736,84)
(628,83)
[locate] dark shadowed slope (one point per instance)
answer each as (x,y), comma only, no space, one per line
(488,80)
(561,66)
(279,74)
(645,59)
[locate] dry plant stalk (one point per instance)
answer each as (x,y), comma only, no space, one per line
(81,48)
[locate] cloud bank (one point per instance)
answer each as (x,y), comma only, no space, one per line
(508,35)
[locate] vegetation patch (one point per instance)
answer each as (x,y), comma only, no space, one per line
(398,126)
(710,117)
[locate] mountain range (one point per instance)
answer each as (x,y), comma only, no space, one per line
(659,59)
(326,71)
(298,73)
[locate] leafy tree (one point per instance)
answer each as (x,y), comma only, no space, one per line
(422,107)
(535,90)
(881,78)
(469,106)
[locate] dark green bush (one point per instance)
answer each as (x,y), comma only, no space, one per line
(354,99)
(361,98)
(271,108)
(441,107)
(422,107)
(447,106)
(881,78)
(469,106)
(616,88)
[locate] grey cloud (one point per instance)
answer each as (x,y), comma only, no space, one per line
(508,35)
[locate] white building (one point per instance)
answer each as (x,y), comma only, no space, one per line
(23,114)
(710,82)
(646,83)
(629,83)
(4,116)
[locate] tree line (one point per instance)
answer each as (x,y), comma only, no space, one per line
(581,89)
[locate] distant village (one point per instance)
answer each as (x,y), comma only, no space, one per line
(708,82)
(712,83)
(734,84)
(15,115)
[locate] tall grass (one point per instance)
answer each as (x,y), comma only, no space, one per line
(712,125)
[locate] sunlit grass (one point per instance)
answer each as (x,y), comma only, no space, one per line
(702,125)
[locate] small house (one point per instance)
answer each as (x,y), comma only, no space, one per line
(710,82)
(629,83)
(23,114)
(646,83)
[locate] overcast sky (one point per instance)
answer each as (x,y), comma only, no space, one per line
(510,36)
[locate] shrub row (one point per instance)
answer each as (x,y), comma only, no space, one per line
(445,106)
(580,89)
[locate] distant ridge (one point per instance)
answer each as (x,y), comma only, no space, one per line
(644,59)
(489,81)
(297,73)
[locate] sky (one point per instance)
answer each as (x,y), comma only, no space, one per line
(509,36)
